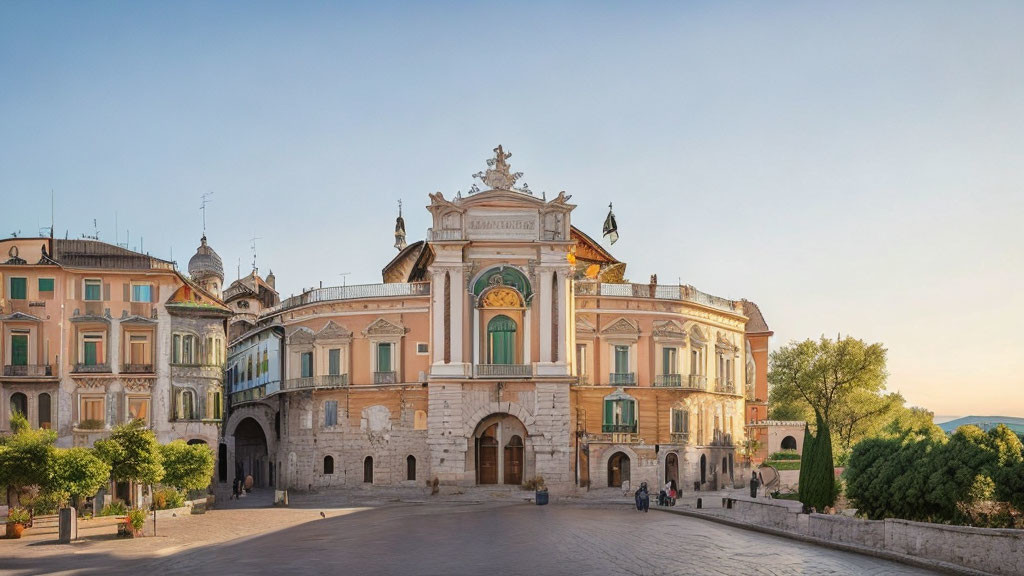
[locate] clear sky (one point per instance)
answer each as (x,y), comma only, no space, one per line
(854,168)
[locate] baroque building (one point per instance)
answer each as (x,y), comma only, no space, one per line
(95,335)
(505,346)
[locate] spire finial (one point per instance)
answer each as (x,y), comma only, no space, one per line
(400,229)
(205,200)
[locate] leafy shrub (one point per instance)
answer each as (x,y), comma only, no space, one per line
(18,515)
(136,517)
(536,483)
(168,498)
(784,455)
(785,465)
(116,508)
(91,424)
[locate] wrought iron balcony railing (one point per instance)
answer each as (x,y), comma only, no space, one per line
(503,370)
(316,382)
(684,293)
(680,437)
(725,386)
(697,382)
(333,293)
(28,371)
(81,368)
(669,380)
(137,369)
(385,377)
(622,378)
(619,428)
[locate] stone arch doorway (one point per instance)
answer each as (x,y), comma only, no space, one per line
(500,454)
(618,470)
(672,469)
(251,456)
(789,443)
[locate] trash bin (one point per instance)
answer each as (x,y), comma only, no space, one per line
(542,497)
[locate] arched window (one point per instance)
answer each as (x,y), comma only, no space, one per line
(368,470)
(19,404)
(501,340)
(789,443)
(45,418)
(328,465)
(410,467)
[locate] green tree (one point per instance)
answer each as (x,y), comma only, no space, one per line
(913,425)
(25,457)
(77,472)
(187,466)
(132,453)
(843,380)
(817,487)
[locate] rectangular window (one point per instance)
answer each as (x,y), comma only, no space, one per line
(176,349)
(330,413)
(92,408)
(384,357)
(138,408)
(422,348)
(696,362)
(619,416)
(621,359)
(92,349)
(19,349)
(142,292)
(138,349)
(334,361)
(19,288)
(93,290)
(581,359)
(188,343)
(669,357)
(46,288)
(680,421)
(307,364)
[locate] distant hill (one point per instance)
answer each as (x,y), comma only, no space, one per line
(985,423)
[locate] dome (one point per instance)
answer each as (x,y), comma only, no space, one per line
(205,262)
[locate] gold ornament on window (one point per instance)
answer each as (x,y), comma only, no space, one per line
(502,298)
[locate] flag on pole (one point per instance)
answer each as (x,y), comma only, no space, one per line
(611,229)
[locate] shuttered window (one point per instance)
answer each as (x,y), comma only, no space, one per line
(331,413)
(19,288)
(19,349)
(93,290)
(334,361)
(307,364)
(46,288)
(384,357)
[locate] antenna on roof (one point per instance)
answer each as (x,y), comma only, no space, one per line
(206,199)
(51,215)
(239,268)
(253,246)
(95,232)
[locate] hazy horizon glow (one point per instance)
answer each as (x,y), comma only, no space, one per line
(852,168)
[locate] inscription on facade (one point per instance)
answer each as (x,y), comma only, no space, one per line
(501,227)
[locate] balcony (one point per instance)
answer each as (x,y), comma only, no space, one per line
(583,380)
(725,386)
(28,371)
(91,368)
(680,437)
(503,370)
(323,382)
(385,377)
(720,438)
(697,382)
(137,369)
(446,234)
(683,293)
(668,380)
(619,428)
(336,293)
(622,379)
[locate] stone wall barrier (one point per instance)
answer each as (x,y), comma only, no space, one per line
(869,533)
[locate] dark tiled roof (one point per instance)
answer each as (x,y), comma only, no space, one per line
(755,322)
(96,254)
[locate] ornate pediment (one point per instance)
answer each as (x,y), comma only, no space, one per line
(501,297)
(87,318)
(669,329)
(584,327)
(697,336)
(722,342)
(20,317)
(623,327)
(381,327)
(301,335)
(332,331)
(136,384)
(138,320)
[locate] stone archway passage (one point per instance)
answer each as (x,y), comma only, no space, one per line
(672,469)
(618,470)
(789,443)
(251,457)
(499,451)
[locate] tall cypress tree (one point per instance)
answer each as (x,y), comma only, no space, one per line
(817,470)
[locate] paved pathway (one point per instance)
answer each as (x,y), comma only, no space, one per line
(442,538)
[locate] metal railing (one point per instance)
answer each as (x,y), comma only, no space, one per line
(29,371)
(503,370)
(684,293)
(137,369)
(622,378)
(385,377)
(697,382)
(724,386)
(316,382)
(720,438)
(583,380)
(672,380)
(680,437)
(618,428)
(81,368)
(350,293)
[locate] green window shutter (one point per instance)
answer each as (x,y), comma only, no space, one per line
(46,284)
(628,416)
(384,357)
(609,412)
(621,359)
(334,361)
(19,350)
(501,332)
(92,291)
(90,353)
(19,288)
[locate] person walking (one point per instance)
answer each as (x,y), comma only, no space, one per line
(754,484)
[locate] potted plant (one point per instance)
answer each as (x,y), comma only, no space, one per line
(17,517)
(133,522)
(541,493)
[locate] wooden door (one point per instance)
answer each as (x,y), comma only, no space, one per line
(487,460)
(514,461)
